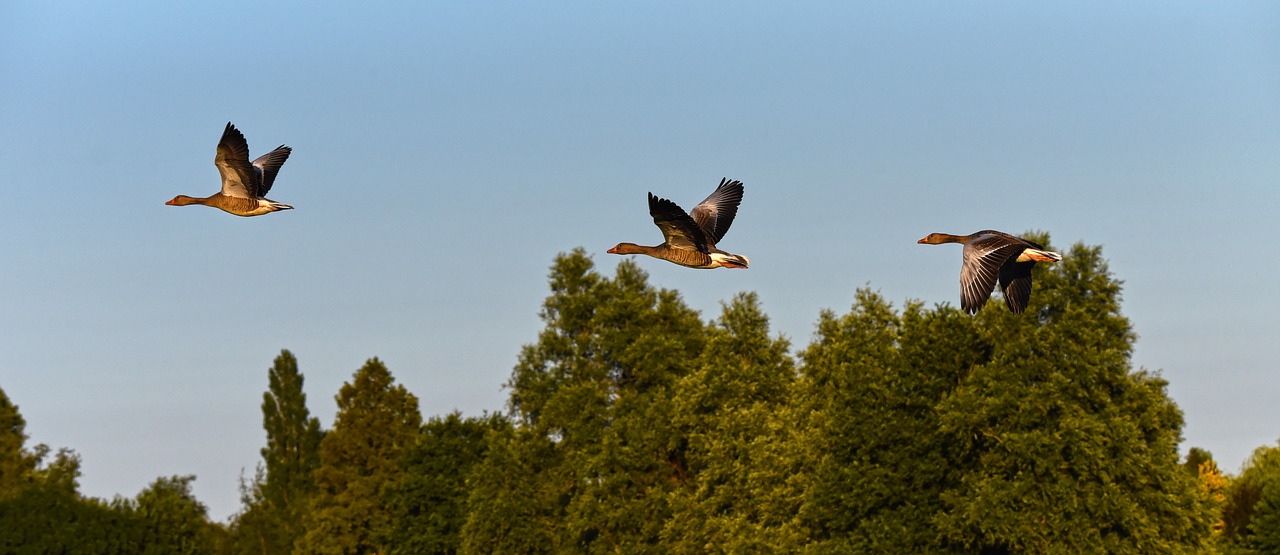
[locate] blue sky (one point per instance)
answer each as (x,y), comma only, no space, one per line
(445,152)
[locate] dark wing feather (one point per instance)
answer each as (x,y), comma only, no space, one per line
(677,227)
(1015,281)
(715,214)
(984,256)
(239,178)
(268,166)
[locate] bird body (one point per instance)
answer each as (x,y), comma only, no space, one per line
(691,237)
(244,184)
(992,256)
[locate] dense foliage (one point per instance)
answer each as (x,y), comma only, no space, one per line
(634,426)
(276,501)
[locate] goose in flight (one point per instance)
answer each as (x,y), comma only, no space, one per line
(691,237)
(991,256)
(244,184)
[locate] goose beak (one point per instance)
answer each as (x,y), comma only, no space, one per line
(613,250)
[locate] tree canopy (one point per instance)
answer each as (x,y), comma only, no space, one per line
(633,425)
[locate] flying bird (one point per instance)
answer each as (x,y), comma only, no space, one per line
(244,184)
(991,256)
(691,237)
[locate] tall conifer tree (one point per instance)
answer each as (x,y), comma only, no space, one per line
(291,455)
(377,421)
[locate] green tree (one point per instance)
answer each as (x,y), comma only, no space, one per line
(930,431)
(377,422)
(730,413)
(510,510)
(594,455)
(1211,485)
(171,520)
(1063,446)
(49,519)
(41,510)
(277,498)
(16,462)
(429,500)
(867,406)
(252,530)
(1252,508)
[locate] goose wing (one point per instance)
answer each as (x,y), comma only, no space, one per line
(715,214)
(984,257)
(1015,282)
(268,165)
(1015,278)
(677,227)
(239,178)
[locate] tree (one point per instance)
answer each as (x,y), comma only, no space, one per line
(932,431)
(253,530)
(49,519)
(16,462)
(1252,509)
(41,510)
(593,456)
(1063,446)
(377,422)
(730,414)
(172,521)
(429,500)
(277,499)
(1211,485)
(867,404)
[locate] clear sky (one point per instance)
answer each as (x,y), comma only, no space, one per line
(444,152)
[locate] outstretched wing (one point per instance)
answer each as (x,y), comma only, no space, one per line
(715,214)
(268,166)
(239,178)
(1015,282)
(984,256)
(677,227)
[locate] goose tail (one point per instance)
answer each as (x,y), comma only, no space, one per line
(1038,255)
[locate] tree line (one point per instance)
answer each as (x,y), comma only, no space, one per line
(633,426)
